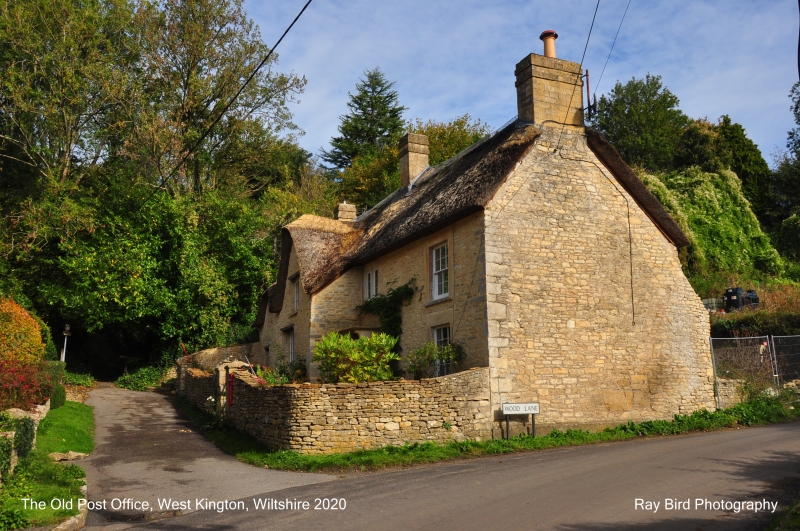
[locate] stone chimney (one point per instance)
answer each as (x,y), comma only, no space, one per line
(413,157)
(548,88)
(345,211)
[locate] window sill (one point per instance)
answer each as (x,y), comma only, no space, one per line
(437,301)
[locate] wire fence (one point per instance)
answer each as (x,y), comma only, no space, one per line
(758,362)
(787,353)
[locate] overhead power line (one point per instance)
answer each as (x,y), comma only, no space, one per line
(580,69)
(615,42)
(241,89)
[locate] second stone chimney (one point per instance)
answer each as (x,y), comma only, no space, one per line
(413,157)
(548,88)
(345,211)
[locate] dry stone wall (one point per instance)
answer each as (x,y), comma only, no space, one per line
(729,392)
(328,418)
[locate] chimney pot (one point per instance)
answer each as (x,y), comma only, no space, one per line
(414,154)
(345,211)
(549,38)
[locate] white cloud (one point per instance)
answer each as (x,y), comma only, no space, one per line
(453,57)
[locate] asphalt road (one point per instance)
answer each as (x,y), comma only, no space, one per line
(145,451)
(586,488)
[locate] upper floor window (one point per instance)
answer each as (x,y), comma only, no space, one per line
(297,294)
(370,284)
(440,280)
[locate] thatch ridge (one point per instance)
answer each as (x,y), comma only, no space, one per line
(609,156)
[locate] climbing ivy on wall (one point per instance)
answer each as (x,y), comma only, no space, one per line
(389,307)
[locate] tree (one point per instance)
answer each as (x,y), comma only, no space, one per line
(725,145)
(194,57)
(65,72)
(643,121)
(447,139)
(99,102)
(374,175)
(374,122)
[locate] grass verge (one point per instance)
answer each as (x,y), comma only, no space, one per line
(37,477)
(761,410)
(789,520)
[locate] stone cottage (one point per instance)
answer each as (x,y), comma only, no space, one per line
(537,249)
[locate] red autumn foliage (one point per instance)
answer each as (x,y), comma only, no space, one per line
(23,384)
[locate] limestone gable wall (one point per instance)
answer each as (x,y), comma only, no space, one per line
(568,324)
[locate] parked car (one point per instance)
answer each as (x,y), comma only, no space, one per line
(737,298)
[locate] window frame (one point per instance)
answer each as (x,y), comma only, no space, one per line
(440,275)
(370,284)
(441,368)
(291,344)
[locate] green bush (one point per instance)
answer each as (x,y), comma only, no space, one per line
(422,361)
(141,379)
(58,397)
(76,378)
(269,376)
(56,370)
(6,445)
(12,518)
(757,323)
(25,434)
(344,359)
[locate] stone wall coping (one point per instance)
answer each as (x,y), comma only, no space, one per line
(246,377)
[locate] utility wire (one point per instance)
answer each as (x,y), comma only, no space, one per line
(228,105)
(241,89)
(615,42)
(580,69)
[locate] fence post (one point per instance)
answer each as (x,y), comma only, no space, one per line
(774,358)
(714,365)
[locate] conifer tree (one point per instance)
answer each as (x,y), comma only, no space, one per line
(374,122)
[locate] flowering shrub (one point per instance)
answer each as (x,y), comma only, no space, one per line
(344,359)
(23,385)
(20,334)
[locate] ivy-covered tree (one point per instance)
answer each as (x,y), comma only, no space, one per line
(642,120)
(373,123)
(725,145)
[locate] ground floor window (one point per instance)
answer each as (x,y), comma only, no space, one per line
(441,336)
(288,341)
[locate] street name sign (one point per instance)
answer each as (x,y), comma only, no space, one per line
(528,408)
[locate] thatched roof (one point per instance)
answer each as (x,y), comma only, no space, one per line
(457,188)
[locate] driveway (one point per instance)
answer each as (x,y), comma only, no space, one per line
(145,452)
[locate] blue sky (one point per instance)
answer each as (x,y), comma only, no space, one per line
(448,58)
